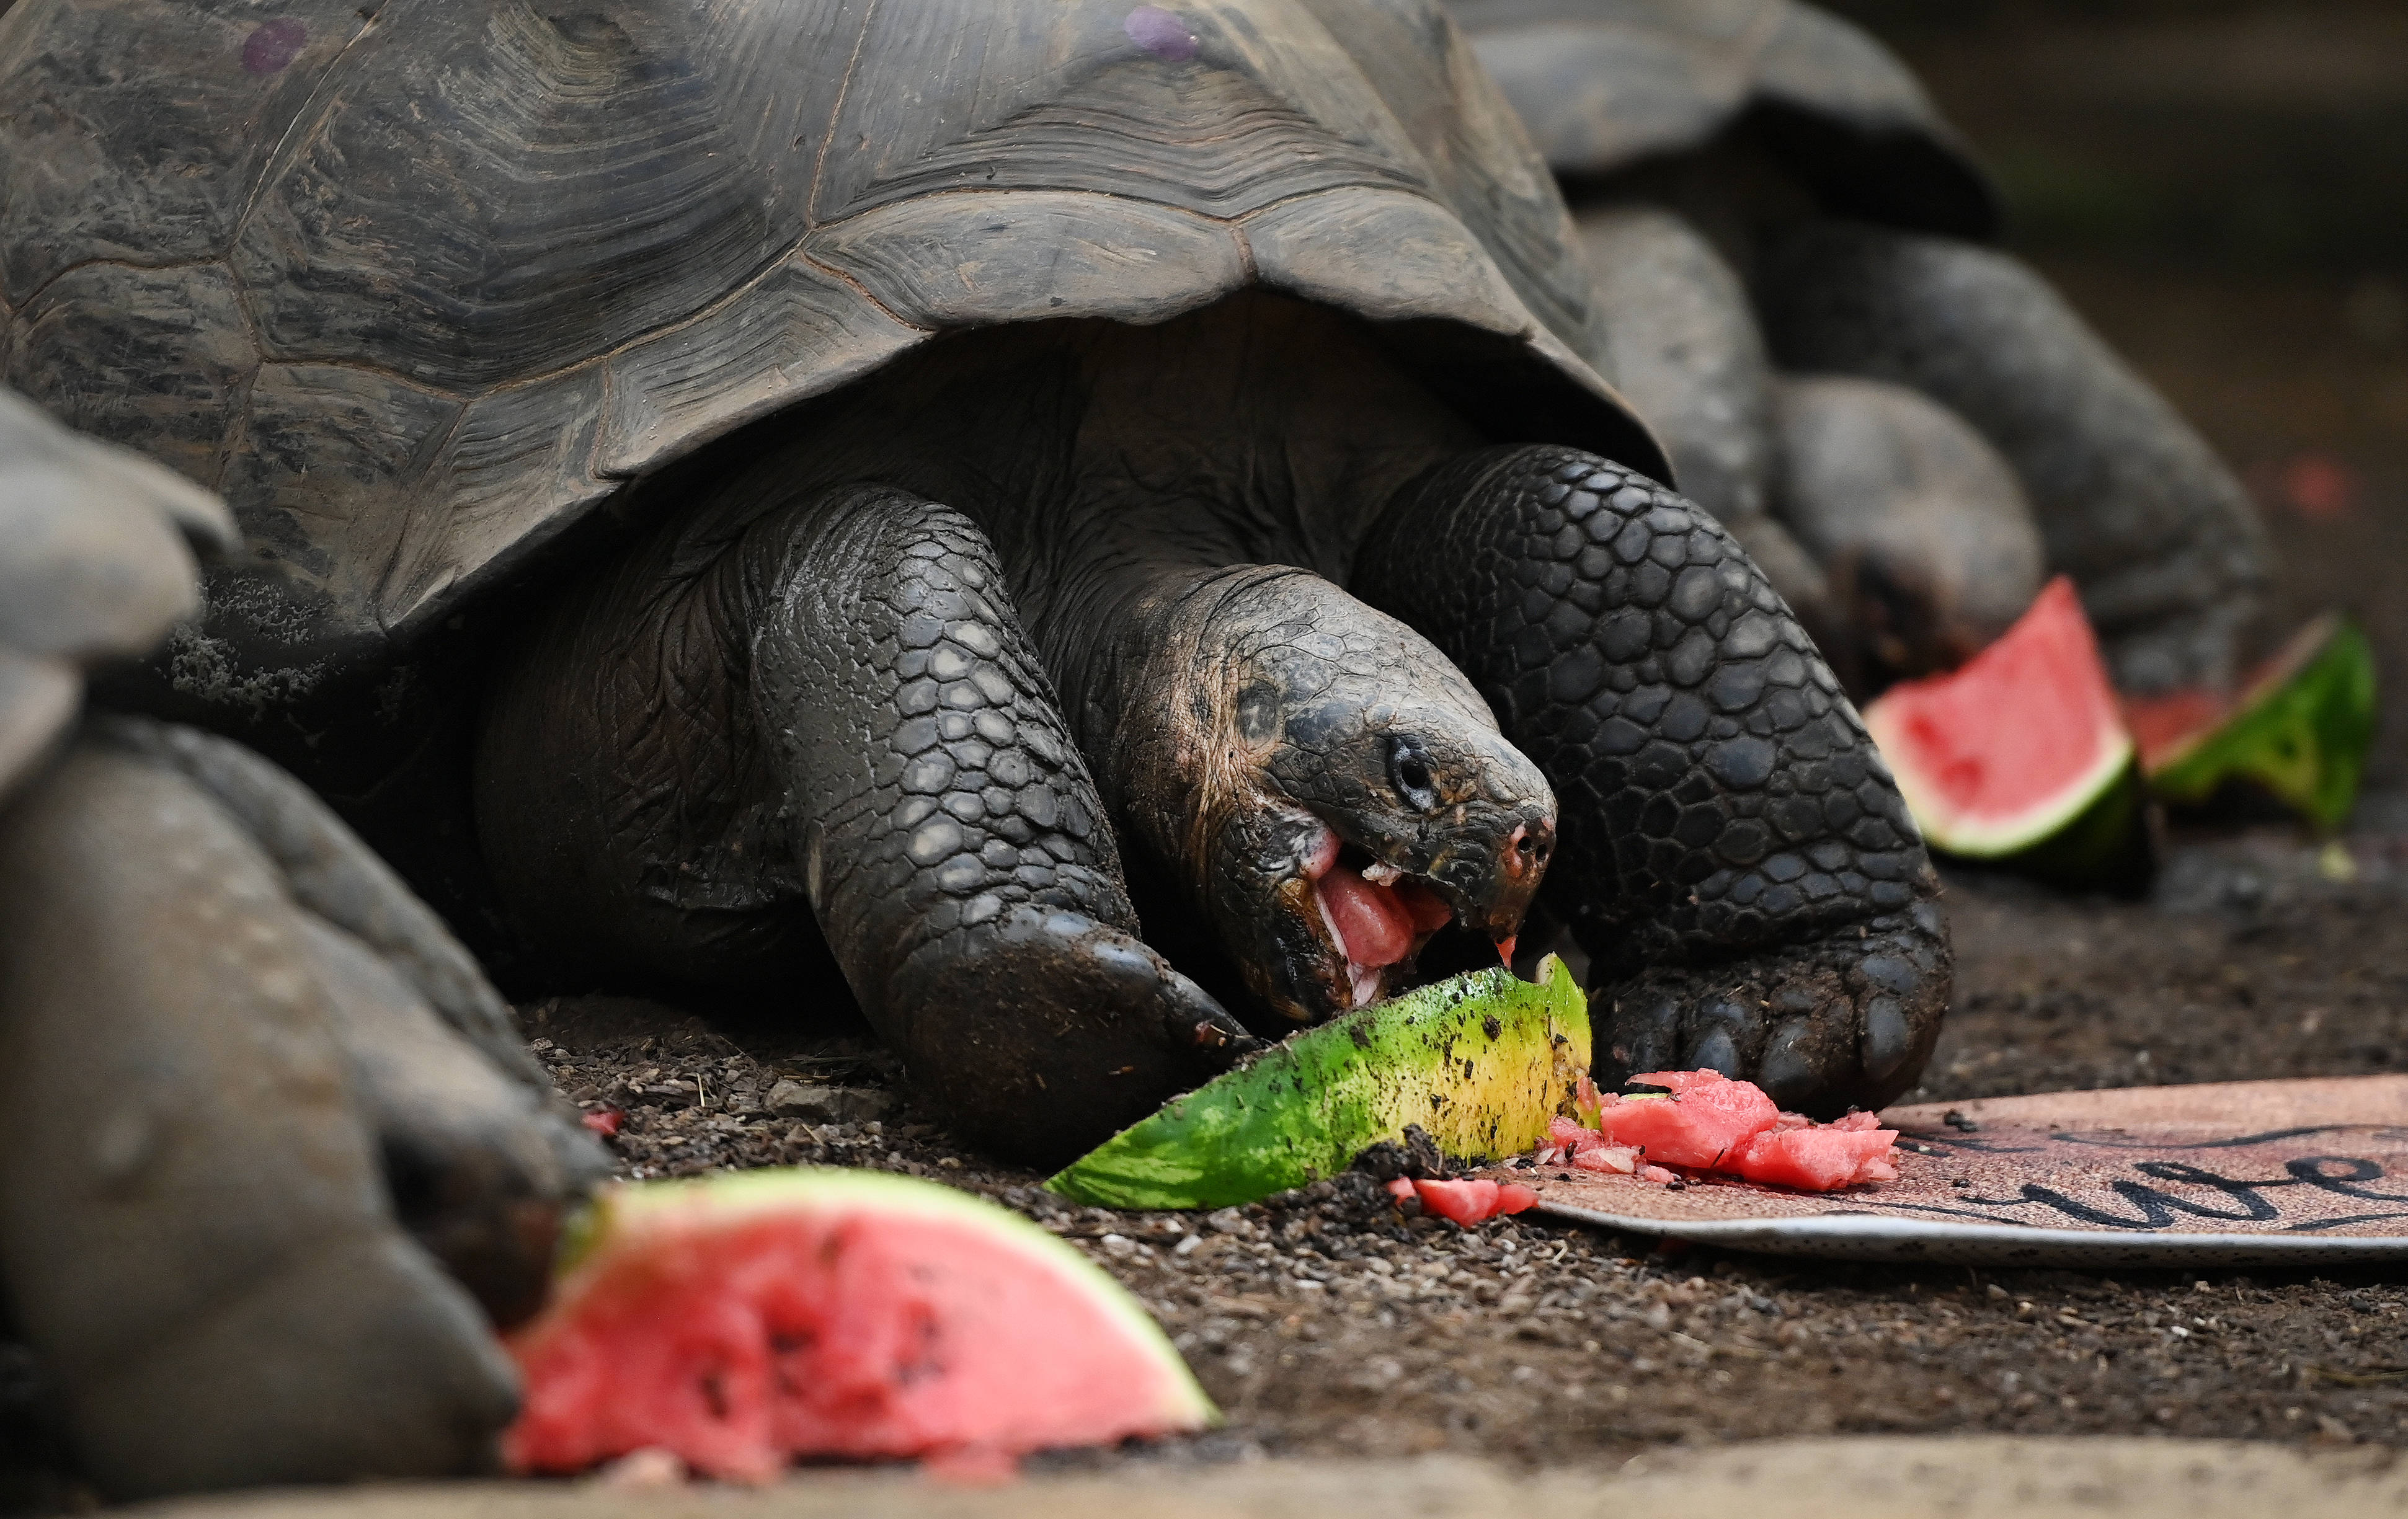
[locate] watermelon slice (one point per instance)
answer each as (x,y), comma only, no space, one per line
(740,1320)
(2299,731)
(1481,1062)
(2021,758)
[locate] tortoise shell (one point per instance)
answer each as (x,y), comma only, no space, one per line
(1605,85)
(418,285)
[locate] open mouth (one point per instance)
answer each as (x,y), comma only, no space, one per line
(1377,916)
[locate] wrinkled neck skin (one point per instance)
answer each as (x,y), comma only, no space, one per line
(1175,507)
(1115,466)
(1260,431)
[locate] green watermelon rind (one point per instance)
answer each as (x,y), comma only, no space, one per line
(627,1217)
(2004,837)
(1305,1110)
(2302,736)
(2107,846)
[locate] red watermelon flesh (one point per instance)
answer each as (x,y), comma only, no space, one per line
(2014,746)
(1707,1114)
(743,1321)
(1733,1123)
(1817,1159)
(1585,1149)
(1468,1202)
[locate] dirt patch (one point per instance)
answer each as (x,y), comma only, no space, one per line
(1327,1323)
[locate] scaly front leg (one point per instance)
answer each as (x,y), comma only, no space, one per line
(1734,854)
(827,724)
(960,863)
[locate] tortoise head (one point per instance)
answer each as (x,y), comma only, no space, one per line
(1343,792)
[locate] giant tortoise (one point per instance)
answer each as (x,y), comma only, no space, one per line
(920,484)
(1738,162)
(262,1101)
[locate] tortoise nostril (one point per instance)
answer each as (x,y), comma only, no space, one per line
(1533,844)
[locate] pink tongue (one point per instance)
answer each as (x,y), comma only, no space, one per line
(1373,927)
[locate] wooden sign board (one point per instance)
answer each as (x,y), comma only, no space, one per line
(2302,1173)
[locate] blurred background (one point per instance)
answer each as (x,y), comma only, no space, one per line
(2221,186)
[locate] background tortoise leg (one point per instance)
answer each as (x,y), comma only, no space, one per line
(1684,347)
(1925,531)
(1734,856)
(960,863)
(194,1230)
(2131,502)
(480,1155)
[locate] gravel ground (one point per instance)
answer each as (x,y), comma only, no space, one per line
(1326,1323)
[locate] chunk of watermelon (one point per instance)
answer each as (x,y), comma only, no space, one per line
(742,1321)
(1569,1144)
(1707,1115)
(1821,1158)
(1710,1123)
(1475,1201)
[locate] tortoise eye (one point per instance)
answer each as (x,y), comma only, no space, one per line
(1409,773)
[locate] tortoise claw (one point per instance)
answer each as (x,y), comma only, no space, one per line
(1842,1022)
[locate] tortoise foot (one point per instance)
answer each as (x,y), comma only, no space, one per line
(1842,1022)
(481,1168)
(1042,1032)
(479,1157)
(242,1039)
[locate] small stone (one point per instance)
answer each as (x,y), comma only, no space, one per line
(651,1467)
(670,1094)
(813,1103)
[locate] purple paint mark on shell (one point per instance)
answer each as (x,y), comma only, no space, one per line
(1160,33)
(273,44)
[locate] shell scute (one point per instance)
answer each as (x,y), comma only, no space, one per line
(444,279)
(956,261)
(1061,97)
(138,131)
(156,358)
(498,194)
(798,332)
(1605,86)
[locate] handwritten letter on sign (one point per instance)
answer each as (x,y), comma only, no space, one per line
(2255,1173)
